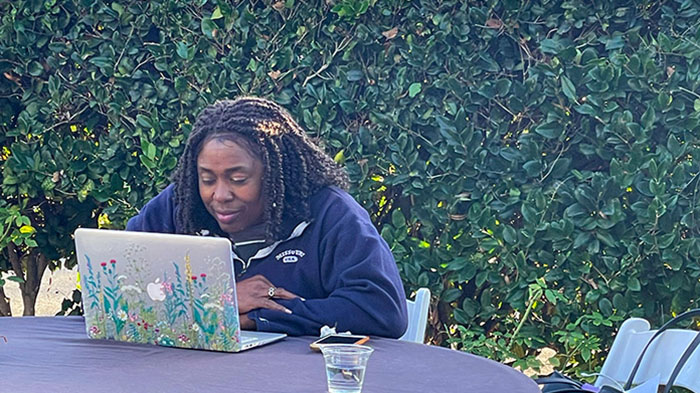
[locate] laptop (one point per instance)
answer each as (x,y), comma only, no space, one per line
(162,289)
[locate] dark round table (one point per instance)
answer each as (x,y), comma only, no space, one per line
(45,354)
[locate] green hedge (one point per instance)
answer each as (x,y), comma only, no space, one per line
(535,165)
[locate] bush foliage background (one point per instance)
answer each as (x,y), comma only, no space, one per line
(534,163)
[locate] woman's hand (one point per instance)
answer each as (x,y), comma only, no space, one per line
(246,323)
(255,293)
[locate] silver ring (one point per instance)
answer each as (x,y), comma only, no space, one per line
(271,292)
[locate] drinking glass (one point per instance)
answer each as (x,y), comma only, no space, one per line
(345,366)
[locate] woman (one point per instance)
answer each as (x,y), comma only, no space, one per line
(306,253)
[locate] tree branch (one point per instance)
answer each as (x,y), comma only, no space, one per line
(338,47)
(14,261)
(36,264)
(5,310)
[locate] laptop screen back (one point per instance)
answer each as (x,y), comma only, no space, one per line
(164,289)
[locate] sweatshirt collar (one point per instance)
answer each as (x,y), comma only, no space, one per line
(265,251)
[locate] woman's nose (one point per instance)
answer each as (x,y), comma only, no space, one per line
(221,192)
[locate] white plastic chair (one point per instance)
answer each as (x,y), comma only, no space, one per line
(417,316)
(661,357)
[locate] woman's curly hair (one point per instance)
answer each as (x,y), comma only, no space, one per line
(294,167)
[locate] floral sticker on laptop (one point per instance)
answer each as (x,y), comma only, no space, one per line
(180,308)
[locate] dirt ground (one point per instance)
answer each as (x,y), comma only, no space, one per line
(55,286)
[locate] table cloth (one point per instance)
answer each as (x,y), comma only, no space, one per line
(54,354)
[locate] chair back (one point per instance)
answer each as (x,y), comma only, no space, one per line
(661,357)
(417,316)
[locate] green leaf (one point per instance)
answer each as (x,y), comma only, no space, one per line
(252,65)
(533,168)
(481,278)
(450,295)
(101,61)
(606,238)
(550,130)
(180,84)
(397,219)
(182,50)
(208,27)
(509,234)
(216,14)
(633,284)
(529,213)
(592,296)
(586,109)
(147,162)
(462,317)
(414,89)
(619,301)
(666,240)
(144,121)
(664,100)
(616,42)
(605,307)
(696,105)
(593,247)
(648,118)
(118,8)
(615,167)
(672,258)
(664,42)
(15,279)
(568,88)
(674,146)
(35,68)
(551,46)
(354,75)
(581,239)
(169,162)
(151,150)
(503,87)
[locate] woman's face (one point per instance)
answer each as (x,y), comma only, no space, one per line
(230,184)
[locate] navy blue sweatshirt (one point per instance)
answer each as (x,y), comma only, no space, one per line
(337,261)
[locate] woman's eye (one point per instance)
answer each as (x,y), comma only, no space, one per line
(207,181)
(238,180)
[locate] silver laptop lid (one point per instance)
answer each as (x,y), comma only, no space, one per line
(164,289)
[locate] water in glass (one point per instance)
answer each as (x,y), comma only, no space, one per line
(345,379)
(345,366)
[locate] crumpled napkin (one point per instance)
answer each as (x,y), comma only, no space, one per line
(327,330)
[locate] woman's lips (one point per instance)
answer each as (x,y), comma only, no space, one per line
(226,217)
